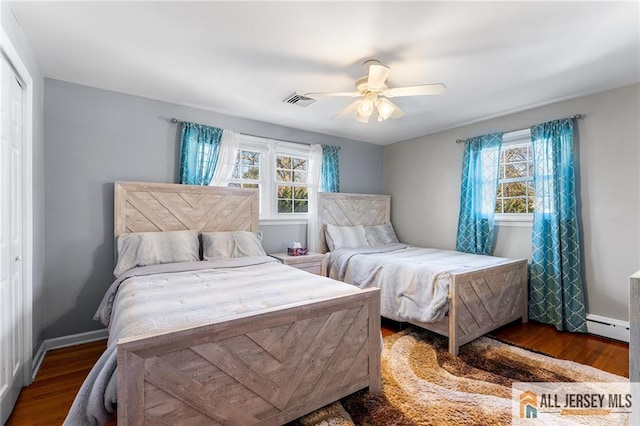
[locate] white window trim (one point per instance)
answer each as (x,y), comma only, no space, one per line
(269,149)
(515,219)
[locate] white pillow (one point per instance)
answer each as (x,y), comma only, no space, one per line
(224,245)
(345,237)
(379,235)
(152,248)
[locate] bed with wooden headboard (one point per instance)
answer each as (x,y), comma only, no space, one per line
(480,300)
(161,371)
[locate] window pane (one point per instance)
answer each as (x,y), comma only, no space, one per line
(516,170)
(250,172)
(516,154)
(300,206)
(300,177)
(301,193)
(299,164)
(250,185)
(283,162)
(285,206)
(515,189)
(249,158)
(285,192)
(498,205)
(515,205)
(283,175)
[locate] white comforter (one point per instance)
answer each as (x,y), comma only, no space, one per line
(172,296)
(413,281)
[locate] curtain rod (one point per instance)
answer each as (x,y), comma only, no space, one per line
(176,121)
(574,117)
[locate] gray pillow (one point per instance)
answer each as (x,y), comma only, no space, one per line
(345,237)
(225,245)
(379,235)
(152,248)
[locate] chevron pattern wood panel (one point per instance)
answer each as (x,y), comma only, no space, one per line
(481,301)
(147,207)
(344,209)
(489,300)
(266,369)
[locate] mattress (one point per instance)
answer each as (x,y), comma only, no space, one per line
(413,281)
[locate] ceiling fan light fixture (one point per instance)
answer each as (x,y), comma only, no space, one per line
(366,107)
(385,109)
(362,118)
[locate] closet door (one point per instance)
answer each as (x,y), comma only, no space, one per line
(11,244)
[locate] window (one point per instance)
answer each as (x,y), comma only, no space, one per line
(515,198)
(291,178)
(280,170)
(246,173)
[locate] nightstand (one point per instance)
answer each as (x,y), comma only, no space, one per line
(311,262)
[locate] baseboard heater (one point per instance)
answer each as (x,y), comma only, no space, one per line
(608,327)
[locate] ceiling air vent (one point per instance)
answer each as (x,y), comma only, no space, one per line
(298,99)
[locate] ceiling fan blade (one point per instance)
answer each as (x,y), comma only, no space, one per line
(423,89)
(326,94)
(378,73)
(350,109)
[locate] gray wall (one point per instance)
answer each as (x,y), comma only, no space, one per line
(95,137)
(19,42)
(423,177)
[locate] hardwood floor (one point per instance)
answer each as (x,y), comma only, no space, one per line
(599,352)
(48,399)
(605,354)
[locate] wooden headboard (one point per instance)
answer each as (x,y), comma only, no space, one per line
(146,206)
(343,209)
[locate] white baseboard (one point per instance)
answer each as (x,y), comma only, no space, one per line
(63,342)
(36,362)
(596,324)
(608,327)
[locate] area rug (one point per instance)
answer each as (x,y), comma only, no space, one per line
(424,385)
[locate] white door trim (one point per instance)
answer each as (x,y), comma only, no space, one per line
(7,49)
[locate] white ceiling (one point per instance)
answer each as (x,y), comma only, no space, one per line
(242,59)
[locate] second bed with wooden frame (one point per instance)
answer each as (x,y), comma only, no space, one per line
(159,373)
(480,300)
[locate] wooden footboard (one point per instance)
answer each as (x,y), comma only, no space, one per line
(481,301)
(266,368)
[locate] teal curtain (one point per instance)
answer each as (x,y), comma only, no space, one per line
(330,175)
(199,153)
(478,192)
(556,294)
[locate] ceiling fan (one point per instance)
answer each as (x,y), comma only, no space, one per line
(375,93)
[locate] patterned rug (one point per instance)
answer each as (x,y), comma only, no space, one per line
(424,385)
